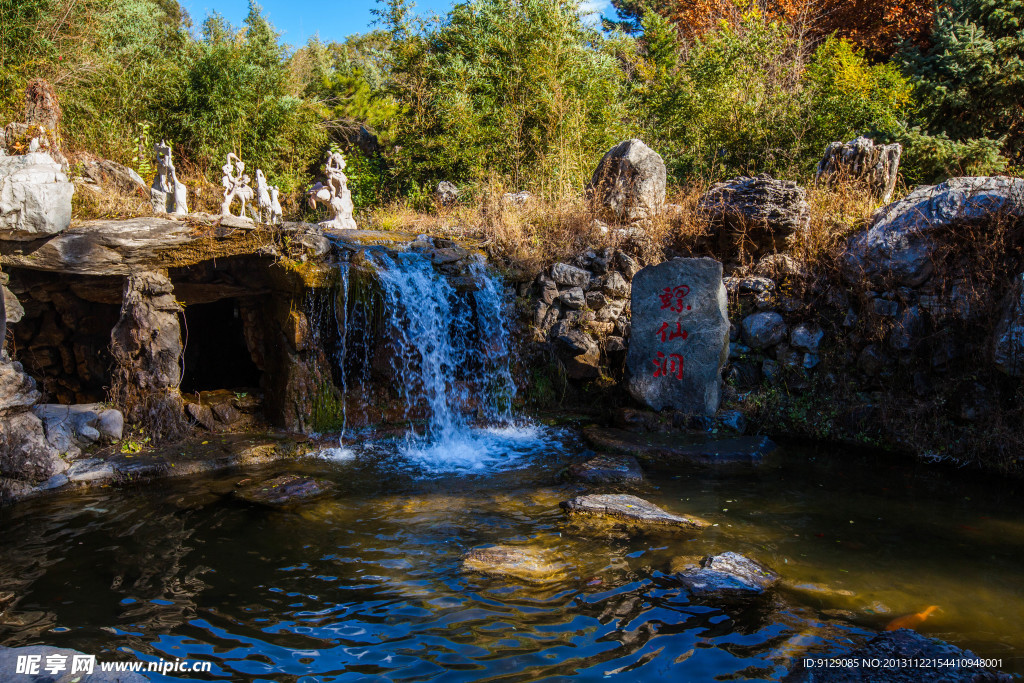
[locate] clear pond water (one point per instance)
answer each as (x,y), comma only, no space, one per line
(367,583)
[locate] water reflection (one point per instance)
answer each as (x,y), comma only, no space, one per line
(369,582)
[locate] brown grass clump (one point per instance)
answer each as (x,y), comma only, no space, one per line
(526,236)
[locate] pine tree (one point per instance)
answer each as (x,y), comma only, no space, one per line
(970,81)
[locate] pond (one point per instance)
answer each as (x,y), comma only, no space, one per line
(367,583)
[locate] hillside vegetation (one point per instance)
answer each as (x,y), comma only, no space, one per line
(526,94)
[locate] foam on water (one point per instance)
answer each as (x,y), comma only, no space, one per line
(478,450)
(450,350)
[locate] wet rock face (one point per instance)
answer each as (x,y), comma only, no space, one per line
(629,181)
(35,197)
(756,214)
(679,337)
(900,242)
(668,451)
(630,512)
(284,490)
(728,574)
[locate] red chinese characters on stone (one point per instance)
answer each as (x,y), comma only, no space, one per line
(670,366)
(667,334)
(672,298)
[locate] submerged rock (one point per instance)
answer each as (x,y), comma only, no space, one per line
(728,574)
(898,645)
(669,450)
(626,512)
(283,490)
(607,469)
(521,562)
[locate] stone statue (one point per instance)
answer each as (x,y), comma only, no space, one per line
(263,202)
(236,184)
(334,194)
(276,215)
(167,195)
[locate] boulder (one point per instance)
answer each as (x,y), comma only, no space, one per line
(519,562)
(105,172)
(616,286)
(1008,341)
(629,513)
(902,645)
(607,469)
(679,337)
(25,454)
(763,330)
(578,351)
(573,298)
(629,181)
(758,215)
(565,275)
(35,197)
(861,161)
(70,426)
(446,194)
(898,246)
(806,337)
(283,490)
(18,391)
(728,575)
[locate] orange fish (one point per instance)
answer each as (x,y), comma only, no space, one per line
(911,620)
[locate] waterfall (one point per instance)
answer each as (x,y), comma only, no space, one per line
(447,345)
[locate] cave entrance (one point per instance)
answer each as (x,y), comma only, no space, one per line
(216,355)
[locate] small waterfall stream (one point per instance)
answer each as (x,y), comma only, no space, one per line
(447,343)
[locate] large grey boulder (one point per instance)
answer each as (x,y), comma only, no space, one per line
(629,181)
(898,246)
(758,215)
(680,335)
(1008,341)
(35,197)
(102,172)
(861,161)
(72,427)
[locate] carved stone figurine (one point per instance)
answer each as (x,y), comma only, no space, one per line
(263,203)
(167,195)
(334,194)
(236,184)
(276,215)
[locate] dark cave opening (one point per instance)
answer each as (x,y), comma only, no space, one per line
(216,355)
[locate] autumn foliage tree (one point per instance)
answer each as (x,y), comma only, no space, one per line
(877,26)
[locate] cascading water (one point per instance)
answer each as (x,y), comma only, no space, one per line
(450,362)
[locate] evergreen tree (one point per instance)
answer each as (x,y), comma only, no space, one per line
(970,82)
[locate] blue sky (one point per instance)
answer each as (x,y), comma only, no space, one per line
(297,20)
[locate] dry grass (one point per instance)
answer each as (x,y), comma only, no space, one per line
(525,238)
